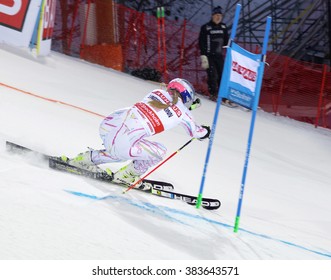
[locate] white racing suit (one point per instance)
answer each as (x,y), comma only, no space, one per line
(124,132)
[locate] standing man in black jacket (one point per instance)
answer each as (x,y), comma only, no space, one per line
(212,38)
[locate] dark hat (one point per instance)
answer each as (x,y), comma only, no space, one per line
(217,10)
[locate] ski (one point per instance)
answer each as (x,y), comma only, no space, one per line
(207,203)
(56,163)
(158,188)
(146,186)
(21,150)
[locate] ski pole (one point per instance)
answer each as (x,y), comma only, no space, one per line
(163,162)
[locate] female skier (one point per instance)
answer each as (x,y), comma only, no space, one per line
(124,132)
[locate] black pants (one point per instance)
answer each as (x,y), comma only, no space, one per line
(214,73)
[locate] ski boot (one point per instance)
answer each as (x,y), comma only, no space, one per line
(128,176)
(83,161)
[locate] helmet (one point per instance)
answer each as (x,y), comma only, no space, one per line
(185,89)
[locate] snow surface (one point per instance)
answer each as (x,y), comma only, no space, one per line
(286,207)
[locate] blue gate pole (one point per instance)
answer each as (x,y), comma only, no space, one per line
(251,131)
(218,106)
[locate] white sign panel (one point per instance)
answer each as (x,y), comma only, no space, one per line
(17,21)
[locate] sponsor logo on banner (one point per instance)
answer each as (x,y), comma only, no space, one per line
(13,13)
(240,97)
(243,70)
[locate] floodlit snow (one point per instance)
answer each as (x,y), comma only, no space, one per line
(286,205)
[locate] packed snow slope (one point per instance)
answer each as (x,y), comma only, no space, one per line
(55,105)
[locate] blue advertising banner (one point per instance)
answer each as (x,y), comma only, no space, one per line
(239,80)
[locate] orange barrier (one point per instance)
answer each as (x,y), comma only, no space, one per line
(107,55)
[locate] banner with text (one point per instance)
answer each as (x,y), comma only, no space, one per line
(26,23)
(239,80)
(17,21)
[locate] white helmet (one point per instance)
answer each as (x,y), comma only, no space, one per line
(185,89)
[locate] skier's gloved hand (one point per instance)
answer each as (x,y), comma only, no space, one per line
(196,104)
(207,134)
(204,62)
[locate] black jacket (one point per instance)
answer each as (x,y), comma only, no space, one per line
(212,38)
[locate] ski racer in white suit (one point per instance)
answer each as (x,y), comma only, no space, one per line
(124,132)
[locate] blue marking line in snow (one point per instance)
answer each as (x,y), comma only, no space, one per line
(152,208)
(143,205)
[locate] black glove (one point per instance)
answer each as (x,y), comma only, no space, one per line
(207,134)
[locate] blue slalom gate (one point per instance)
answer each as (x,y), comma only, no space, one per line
(241,83)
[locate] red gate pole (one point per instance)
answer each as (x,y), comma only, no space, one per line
(158,15)
(85,28)
(73,25)
(319,107)
(182,49)
(164,46)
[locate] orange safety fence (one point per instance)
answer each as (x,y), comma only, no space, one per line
(103,32)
